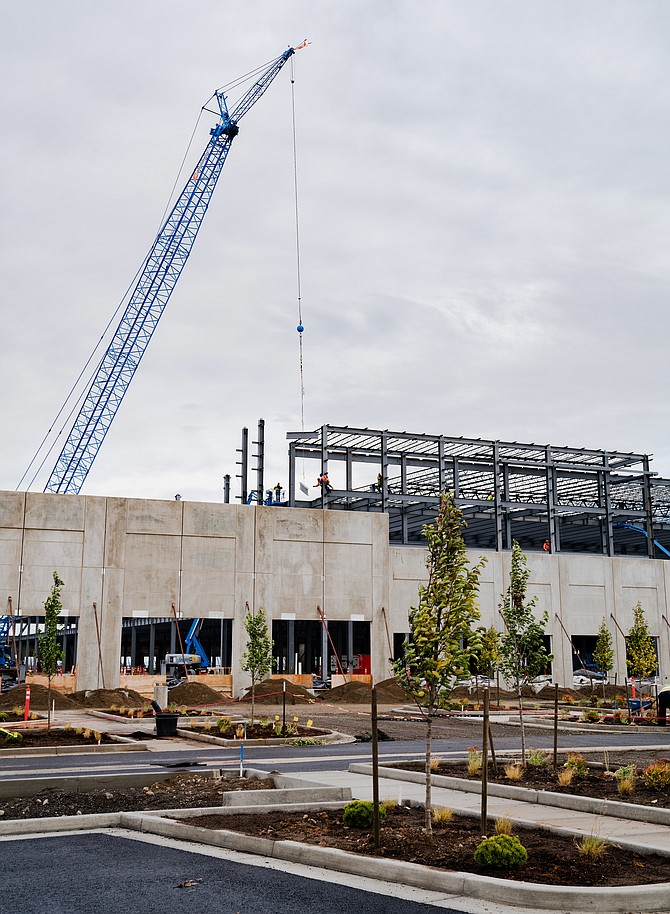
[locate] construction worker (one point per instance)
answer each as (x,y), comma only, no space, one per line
(277,491)
(663,704)
(323,483)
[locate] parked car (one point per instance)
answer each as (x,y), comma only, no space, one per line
(587,677)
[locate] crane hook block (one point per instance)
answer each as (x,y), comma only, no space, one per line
(300,328)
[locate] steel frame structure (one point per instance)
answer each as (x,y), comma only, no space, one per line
(556,499)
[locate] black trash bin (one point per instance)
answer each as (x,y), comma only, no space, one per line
(166,723)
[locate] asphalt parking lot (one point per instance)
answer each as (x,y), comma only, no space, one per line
(101,873)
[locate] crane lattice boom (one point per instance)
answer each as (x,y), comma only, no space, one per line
(157,278)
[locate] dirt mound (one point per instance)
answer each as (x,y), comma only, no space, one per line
(388,692)
(351,693)
(105,698)
(269,692)
(193,694)
(39,699)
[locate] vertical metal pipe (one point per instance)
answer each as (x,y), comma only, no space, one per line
(243,464)
(226,489)
(324,461)
(324,650)
(291,475)
(551,500)
(260,463)
(290,625)
(440,464)
(375,768)
(152,648)
(496,498)
(283,707)
(608,506)
(385,471)
(646,492)
(485,763)
(555,726)
(505,516)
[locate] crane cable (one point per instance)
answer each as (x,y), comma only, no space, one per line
(77,402)
(300,328)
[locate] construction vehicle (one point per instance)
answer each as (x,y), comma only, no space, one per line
(11,674)
(176,667)
(148,297)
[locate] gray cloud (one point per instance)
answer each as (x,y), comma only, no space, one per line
(484,218)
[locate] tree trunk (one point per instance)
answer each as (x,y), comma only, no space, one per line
(48,702)
(523,732)
(253,700)
(428,822)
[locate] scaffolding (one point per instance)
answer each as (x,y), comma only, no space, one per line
(552,499)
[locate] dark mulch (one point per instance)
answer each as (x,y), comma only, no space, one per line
(597,783)
(183,792)
(552,859)
(9,717)
(261,731)
(48,739)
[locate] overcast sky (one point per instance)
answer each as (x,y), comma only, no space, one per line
(484,204)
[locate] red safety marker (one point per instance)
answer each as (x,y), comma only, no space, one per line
(26,709)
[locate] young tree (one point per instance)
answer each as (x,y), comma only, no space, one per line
(604,651)
(640,653)
(257,659)
(48,645)
(434,656)
(486,653)
(522,652)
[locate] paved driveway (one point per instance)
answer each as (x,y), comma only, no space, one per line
(102,873)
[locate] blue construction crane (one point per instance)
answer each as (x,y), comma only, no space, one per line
(5,647)
(628,526)
(149,296)
(11,673)
(192,643)
(193,660)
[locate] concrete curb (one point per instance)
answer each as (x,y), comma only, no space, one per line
(634,812)
(332,738)
(618,899)
(30,787)
(124,744)
(16,827)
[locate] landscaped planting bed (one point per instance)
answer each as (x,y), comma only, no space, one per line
(642,783)
(552,859)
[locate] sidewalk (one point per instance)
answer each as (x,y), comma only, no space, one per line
(623,832)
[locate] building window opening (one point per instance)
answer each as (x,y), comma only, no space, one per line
(154,646)
(351,641)
(297,647)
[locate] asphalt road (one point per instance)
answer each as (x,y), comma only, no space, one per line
(288,758)
(99,873)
